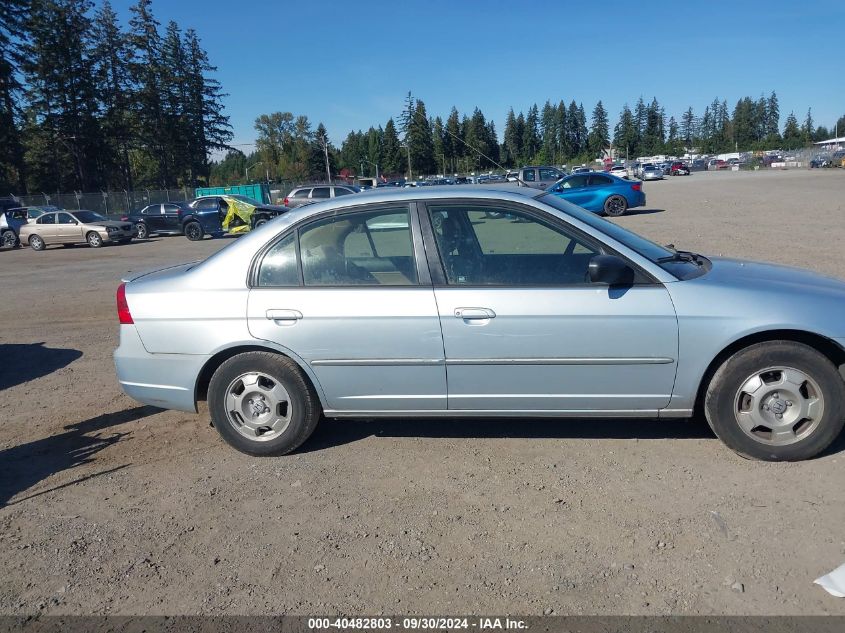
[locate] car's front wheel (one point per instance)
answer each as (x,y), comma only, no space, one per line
(143,231)
(615,206)
(94,239)
(262,404)
(776,401)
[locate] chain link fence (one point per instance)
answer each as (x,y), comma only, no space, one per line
(109,203)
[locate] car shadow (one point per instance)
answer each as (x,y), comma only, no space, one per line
(331,433)
(24,465)
(21,363)
(643,211)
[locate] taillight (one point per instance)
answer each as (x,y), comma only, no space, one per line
(123,314)
(637,186)
(124,219)
(286,201)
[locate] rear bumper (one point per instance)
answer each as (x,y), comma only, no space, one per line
(161,380)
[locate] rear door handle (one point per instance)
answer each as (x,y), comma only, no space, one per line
(284,315)
(469,314)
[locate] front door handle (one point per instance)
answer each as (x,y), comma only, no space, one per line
(469,314)
(284,315)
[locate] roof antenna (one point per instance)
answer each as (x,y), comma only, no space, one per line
(479,152)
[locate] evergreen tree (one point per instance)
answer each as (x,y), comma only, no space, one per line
(688,128)
(452,144)
(599,137)
(12,171)
(438,144)
(772,118)
(420,140)
(393,158)
(320,154)
(626,135)
(62,97)
(146,74)
(808,128)
(572,130)
(548,126)
(792,138)
(531,134)
(208,128)
(111,59)
(512,140)
(563,148)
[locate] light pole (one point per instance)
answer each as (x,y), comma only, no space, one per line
(246,177)
(369,162)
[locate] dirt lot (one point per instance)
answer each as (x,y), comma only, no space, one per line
(107,506)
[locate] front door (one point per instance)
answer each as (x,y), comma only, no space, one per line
(525,330)
(68,229)
(153,217)
(350,295)
(574,189)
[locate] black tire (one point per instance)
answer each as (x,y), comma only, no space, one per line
(36,243)
(261,222)
(143,231)
(94,239)
(305,407)
(9,239)
(615,206)
(194,231)
(723,398)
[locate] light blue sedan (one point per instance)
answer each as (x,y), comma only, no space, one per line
(463,301)
(600,192)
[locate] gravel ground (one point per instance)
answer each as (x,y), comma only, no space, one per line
(110,507)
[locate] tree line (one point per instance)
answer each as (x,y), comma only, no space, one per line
(557,133)
(86,104)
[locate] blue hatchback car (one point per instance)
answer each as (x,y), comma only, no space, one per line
(600,192)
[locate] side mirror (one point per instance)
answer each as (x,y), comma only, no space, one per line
(610,270)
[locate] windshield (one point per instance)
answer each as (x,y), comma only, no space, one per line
(89,216)
(667,258)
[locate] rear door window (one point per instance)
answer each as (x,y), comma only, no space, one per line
(528,175)
(549,174)
(301,193)
(321,193)
(47,218)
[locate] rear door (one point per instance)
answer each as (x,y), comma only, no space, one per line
(349,293)
(46,227)
(170,217)
(525,330)
(547,177)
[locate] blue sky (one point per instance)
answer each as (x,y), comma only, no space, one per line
(350,64)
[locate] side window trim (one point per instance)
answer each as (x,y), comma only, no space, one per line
(438,270)
(417,244)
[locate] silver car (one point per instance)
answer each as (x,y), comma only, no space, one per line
(652,172)
(446,302)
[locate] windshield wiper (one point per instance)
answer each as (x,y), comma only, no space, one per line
(681,256)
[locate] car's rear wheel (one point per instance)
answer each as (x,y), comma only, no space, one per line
(9,239)
(36,243)
(262,404)
(615,206)
(94,240)
(194,231)
(776,401)
(143,231)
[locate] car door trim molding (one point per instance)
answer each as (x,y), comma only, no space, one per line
(575,360)
(376,362)
(508,413)
(401,362)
